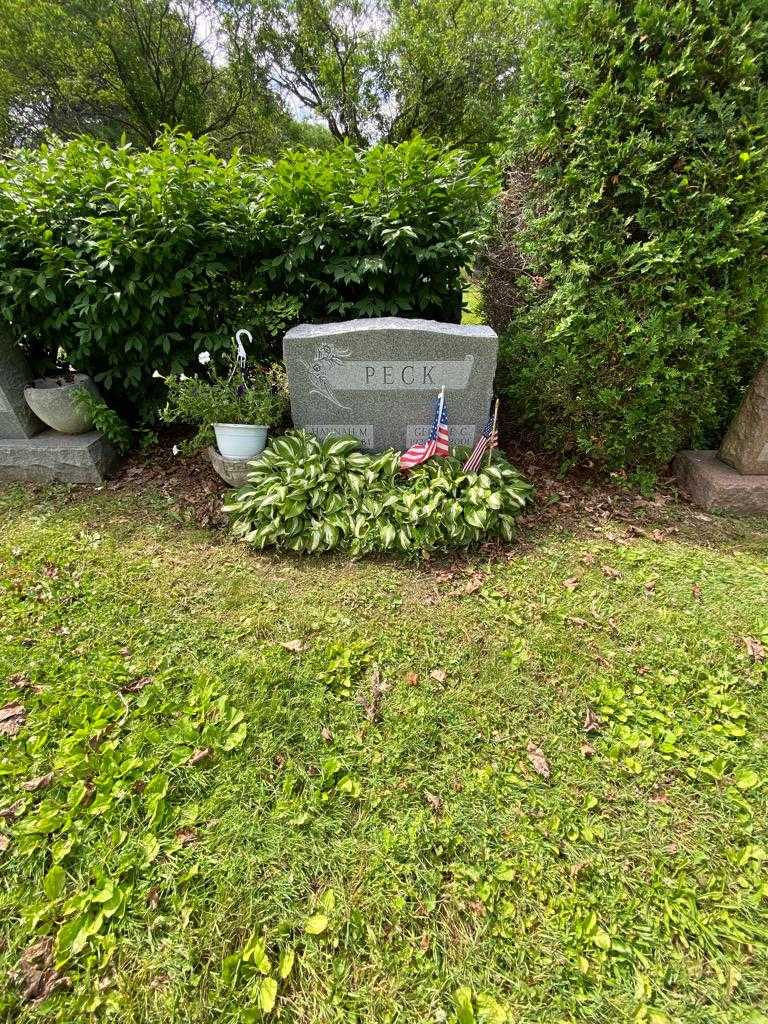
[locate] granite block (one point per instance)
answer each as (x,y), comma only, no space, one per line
(50,456)
(716,487)
(378,379)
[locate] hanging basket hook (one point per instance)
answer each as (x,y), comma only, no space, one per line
(241,353)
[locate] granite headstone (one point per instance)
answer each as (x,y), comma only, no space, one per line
(378,378)
(745,446)
(16,418)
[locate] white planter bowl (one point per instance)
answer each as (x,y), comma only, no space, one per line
(240,440)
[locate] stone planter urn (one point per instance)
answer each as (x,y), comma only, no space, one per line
(51,400)
(232,471)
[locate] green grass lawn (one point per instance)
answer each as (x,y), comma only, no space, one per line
(357,829)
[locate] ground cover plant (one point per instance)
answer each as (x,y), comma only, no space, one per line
(309,495)
(629,274)
(137,261)
(529,786)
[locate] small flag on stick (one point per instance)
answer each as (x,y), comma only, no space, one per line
(437,442)
(489,439)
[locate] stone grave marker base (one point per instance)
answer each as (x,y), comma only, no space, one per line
(232,471)
(716,487)
(48,457)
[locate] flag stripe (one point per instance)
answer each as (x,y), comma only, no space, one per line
(488,439)
(436,444)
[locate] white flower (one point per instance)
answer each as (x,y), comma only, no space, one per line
(183,376)
(157,374)
(175,449)
(204,358)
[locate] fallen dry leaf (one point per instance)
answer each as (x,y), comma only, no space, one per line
(89,795)
(372,705)
(576,622)
(186,836)
(434,801)
(755,649)
(537,759)
(438,674)
(19,681)
(136,685)
(610,572)
(326,733)
(591,721)
(39,783)
(12,717)
(5,842)
(588,558)
(296,646)
(35,974)
(571,583)
(649,586)
(153,898)
(412,679)
(659,797)
(12,811)
(696,592)
(658,535)
(199,755)
(474,583)
(587,750)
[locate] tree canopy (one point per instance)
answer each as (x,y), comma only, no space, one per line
(388,69)
(127,67)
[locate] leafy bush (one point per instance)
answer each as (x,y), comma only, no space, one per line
(243,396)
(136,261)
(632,241)
(308,495)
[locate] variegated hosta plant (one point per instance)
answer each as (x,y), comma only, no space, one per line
(308,495)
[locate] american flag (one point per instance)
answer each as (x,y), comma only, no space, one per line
(436,443)
(488,439)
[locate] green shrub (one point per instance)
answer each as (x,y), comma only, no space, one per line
(307,495)
(136,261)
(632,241)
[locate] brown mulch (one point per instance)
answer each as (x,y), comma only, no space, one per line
(189,482)
(582,500)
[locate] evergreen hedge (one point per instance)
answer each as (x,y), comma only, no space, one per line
(136,261)
(631,250)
